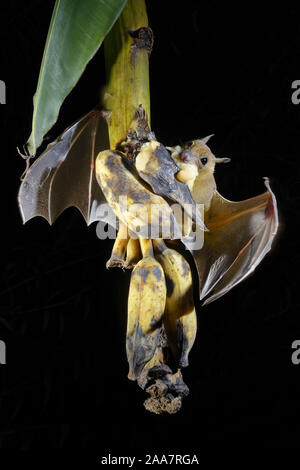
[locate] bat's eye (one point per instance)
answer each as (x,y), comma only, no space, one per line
(204,160)
(190,143)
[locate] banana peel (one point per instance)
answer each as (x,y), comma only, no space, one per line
(180,319)
(146,303)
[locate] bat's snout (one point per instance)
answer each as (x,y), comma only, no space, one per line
(188,156)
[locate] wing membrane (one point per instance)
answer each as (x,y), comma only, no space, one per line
(240,235)
(63,176)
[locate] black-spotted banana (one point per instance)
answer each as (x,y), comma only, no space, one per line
(133,253)
(144,213)
(146,304)
(180,320)
(120,248)
(126,252)
(155,165)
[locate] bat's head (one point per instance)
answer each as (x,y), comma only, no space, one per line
(198,153)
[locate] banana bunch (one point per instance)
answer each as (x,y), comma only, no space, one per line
(138,208)
(160,299)
(161,322)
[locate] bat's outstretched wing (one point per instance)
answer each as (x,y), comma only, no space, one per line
(240,234)
(63,176)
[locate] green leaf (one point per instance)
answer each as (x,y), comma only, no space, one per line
(76,31)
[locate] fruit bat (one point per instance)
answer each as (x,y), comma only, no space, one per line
(238,234)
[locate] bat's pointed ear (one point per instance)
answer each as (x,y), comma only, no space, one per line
(206,139)
(223,160)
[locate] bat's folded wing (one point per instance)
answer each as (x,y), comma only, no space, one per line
(63,176)
(240,234)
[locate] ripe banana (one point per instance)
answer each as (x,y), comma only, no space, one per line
(119,249)
(135,206)
(156,166)
(146,304)
(180,320)
(133,254)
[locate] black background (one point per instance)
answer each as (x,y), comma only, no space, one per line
(215,68)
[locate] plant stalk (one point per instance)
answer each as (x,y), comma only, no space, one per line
(126,49)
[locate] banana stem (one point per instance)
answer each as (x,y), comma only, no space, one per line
(146,247)
(126,49)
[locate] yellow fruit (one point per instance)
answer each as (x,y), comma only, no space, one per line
(133,254)
(144,213)
(180,320)
(118,254)
(146,304)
